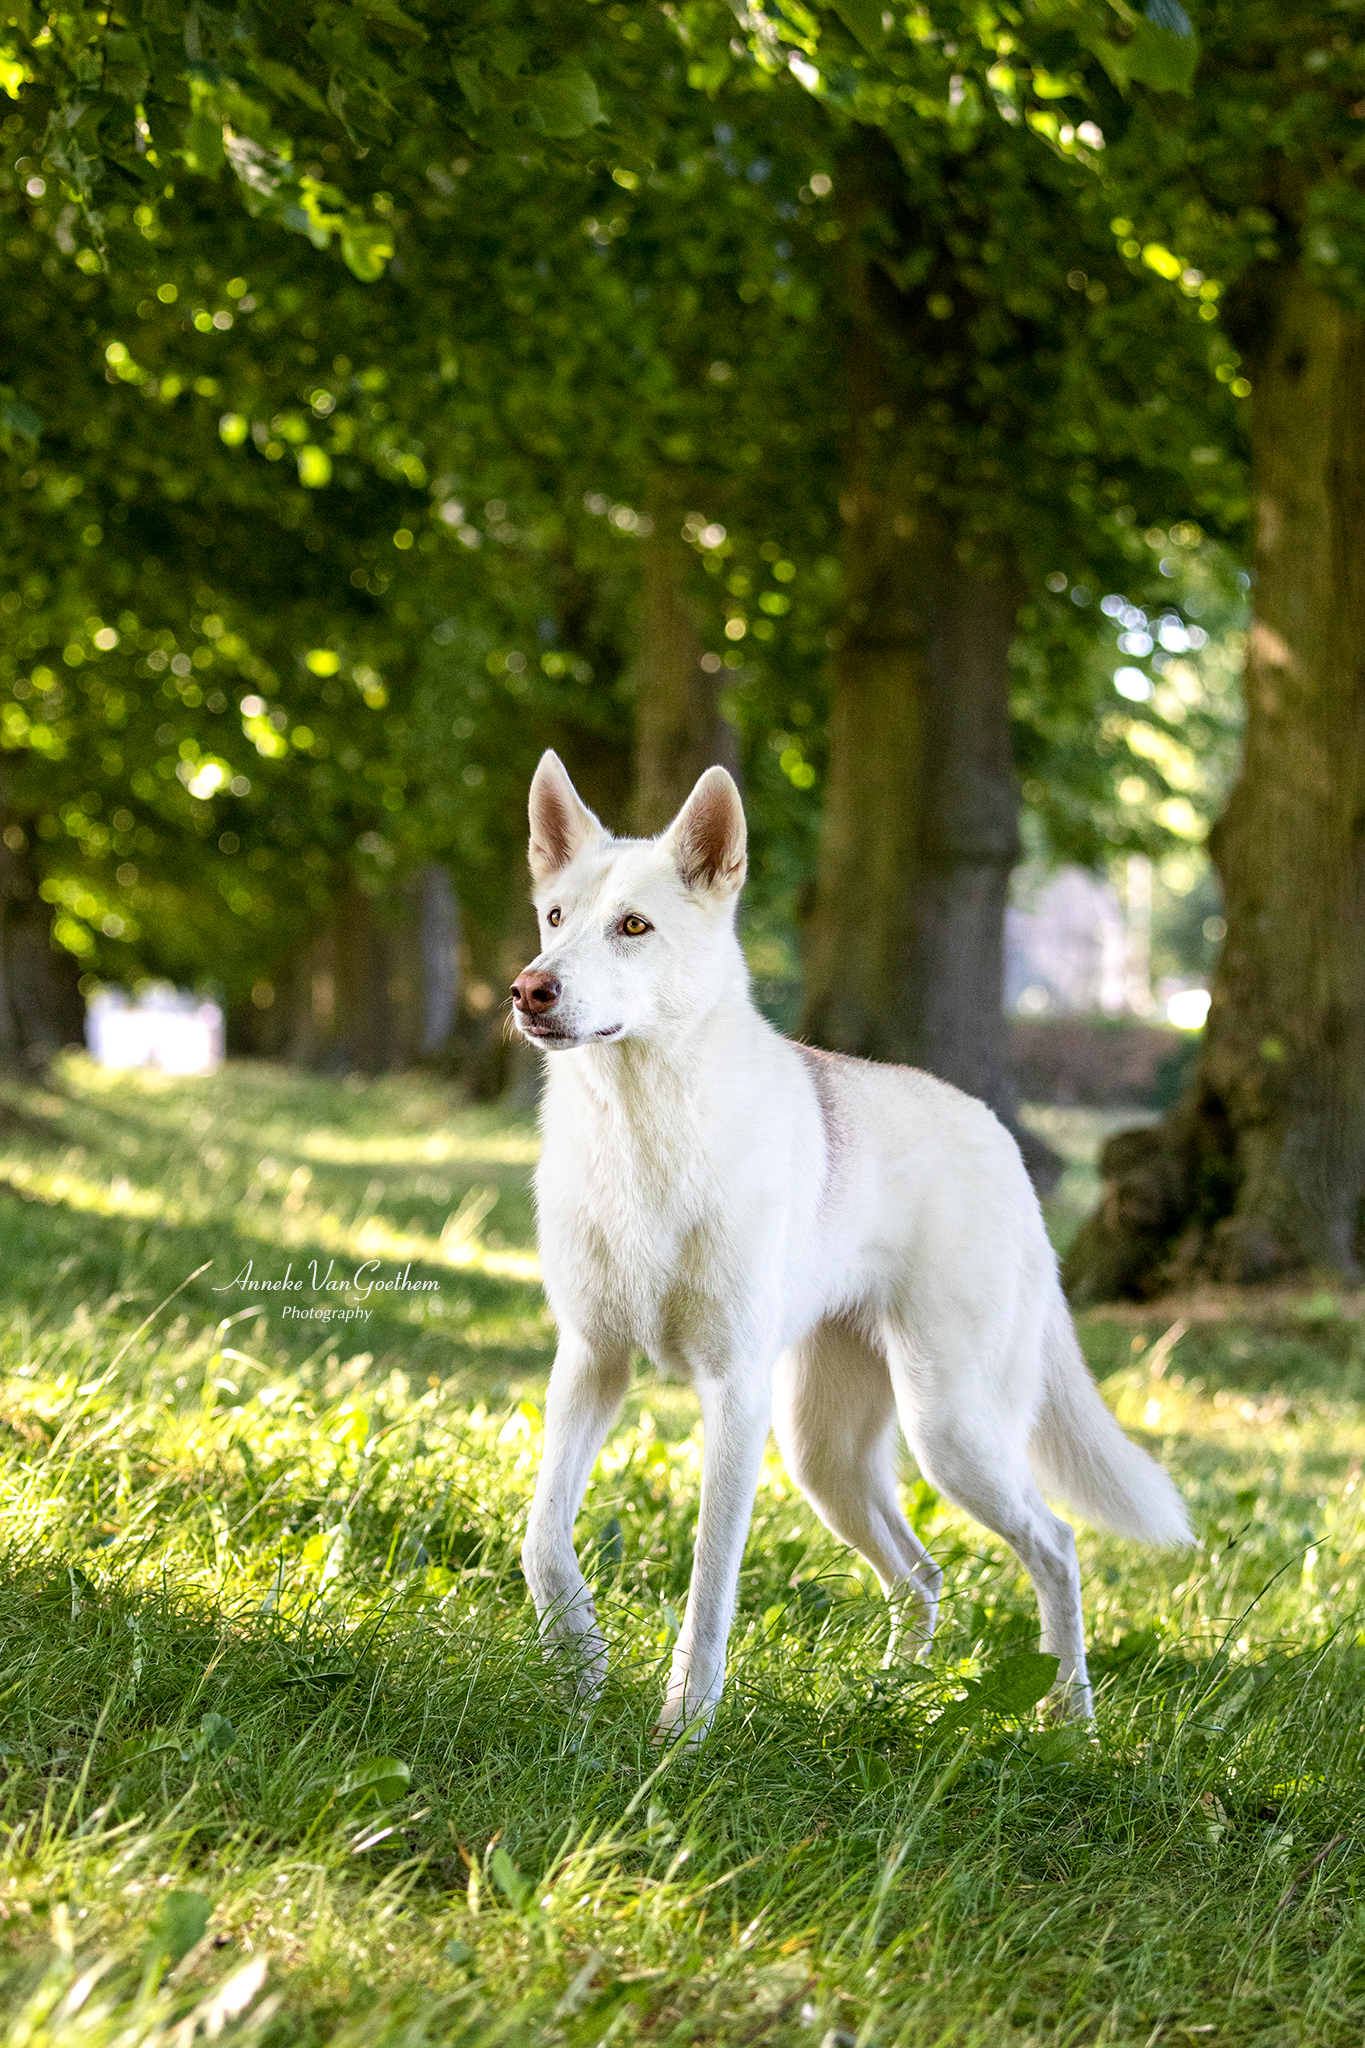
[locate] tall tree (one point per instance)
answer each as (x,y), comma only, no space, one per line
(977,278)
(1260,1169)
(678,728)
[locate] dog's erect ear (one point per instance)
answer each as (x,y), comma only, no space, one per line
(561,823)
(708,836)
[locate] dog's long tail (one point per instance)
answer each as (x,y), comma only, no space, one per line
(1080,1455)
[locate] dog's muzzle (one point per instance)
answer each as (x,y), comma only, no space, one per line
(534,996)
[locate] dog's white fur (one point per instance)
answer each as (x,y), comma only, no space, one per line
(820,1243)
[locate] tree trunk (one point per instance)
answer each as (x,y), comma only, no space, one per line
(438,944)
(594,743)
(905,947)
(679,731)
(905,957)
(969,829)
(493,1060)
(860,939)
(40,1002)
(366,1010)
(1260,1169)
(378,990)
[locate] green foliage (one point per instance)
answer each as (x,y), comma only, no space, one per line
(156,90)
(394,527)
(411,1832)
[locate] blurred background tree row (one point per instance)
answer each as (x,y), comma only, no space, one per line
(868,399)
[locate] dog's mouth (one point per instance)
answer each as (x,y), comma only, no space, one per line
(549,1033)
(533,1027)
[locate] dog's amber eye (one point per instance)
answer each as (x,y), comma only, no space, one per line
(635,927)
(553,916)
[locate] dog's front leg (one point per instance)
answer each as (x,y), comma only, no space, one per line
(736,1406)
(586,1389)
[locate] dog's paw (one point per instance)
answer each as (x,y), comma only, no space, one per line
(684,1721)
(685,1734)
(580,1657)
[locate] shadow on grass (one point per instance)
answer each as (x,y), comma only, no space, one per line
(1307,1348)
(145,1703)
(114,1190)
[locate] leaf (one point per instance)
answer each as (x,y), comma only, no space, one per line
(366,247)
(17,419)
(1065,1745)
(863,19)
(126,69)
(282,78)
(392,17)
(1017,1683)
(1009,1691)
(218,1734)
(506,52)
(566,101)
(466,71)
(203,145)
(508,1878)
(321,1677)
(179,1924)
(377,1780)
(1161,57)
(874,1772)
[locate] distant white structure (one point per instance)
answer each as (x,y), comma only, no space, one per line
(1074,946)
(1068,950)
(165,1028)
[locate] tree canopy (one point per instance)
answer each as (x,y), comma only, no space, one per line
(386,388)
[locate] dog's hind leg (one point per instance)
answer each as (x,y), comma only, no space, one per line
(835,1417)
(586,1389)
(972,1446)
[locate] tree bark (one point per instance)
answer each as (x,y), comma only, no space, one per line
(905,946)
(969,829)
(1259,1172)
(905,950)
(438,944)
(375,987)
(41,1008)
(679,731)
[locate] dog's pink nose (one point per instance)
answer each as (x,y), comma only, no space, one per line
(534,991)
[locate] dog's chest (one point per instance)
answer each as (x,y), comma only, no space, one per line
(634,1237)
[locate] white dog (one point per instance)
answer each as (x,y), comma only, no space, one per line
(819,1243)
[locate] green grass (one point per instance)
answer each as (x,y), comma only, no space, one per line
(282,1762)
